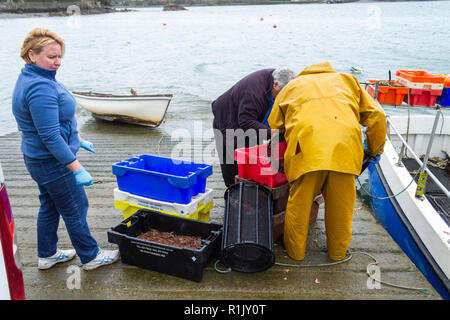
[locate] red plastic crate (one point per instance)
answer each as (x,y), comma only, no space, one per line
(254,164)
(422,97)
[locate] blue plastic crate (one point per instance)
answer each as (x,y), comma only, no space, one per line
(160,178)
(444,100)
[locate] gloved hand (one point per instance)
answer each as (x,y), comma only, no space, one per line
(89,146)
(83,177)
(374,160)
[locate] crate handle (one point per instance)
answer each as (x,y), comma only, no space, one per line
(206,171)
(113,237)
(118,170)
(121,168)
(133,160)
(127,220)
(182,183)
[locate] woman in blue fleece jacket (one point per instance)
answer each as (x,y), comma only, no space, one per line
(45,115)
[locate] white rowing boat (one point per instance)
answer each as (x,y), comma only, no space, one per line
(146,110)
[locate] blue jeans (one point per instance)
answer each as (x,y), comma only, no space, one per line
(61,196)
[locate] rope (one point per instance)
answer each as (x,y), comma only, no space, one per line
(160,143)
(347,258)
(384,282)
(221,271)
(388,197)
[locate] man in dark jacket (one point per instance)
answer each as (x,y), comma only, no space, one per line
(240,115)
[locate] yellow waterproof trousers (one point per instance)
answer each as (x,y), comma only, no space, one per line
(339,192)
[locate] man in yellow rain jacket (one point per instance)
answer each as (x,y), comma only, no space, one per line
(320,113)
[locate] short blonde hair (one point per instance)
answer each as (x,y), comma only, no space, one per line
(37,39)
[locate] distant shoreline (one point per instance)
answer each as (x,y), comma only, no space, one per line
(62,8)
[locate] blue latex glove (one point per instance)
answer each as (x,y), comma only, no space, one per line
(83,177)
(89,146)
(374,160)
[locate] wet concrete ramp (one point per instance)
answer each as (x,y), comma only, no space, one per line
(116,142)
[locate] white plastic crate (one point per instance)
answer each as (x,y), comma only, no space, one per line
(178,208)
(419,85)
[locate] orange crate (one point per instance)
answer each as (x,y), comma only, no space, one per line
(420,76)
(387,94)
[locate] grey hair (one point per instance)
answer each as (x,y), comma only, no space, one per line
(282,76)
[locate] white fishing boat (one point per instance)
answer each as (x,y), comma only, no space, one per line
(415,211)
(146,110)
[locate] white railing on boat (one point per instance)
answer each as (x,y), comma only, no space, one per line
(422,165)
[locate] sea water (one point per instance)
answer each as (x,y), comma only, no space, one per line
(199,53)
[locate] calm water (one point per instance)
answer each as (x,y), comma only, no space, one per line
(199,53)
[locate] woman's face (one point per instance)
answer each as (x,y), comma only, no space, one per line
(48,58)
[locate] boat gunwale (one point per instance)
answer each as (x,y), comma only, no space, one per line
(107,96)
(102,99)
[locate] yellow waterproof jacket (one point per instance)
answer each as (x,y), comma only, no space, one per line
(320,112)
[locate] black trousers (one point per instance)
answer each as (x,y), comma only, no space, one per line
(229,172)
(230,169)
(228,165)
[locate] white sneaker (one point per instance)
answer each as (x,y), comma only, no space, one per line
(58,257)
(103,258)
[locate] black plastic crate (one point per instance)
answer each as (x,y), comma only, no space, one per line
(181,262)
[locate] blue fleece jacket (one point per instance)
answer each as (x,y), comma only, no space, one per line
(45,113)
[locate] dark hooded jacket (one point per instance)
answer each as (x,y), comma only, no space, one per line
(245,104)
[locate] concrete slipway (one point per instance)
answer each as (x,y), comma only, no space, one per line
(115,142)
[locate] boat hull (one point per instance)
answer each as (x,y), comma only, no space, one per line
(392,213)
(142,110)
